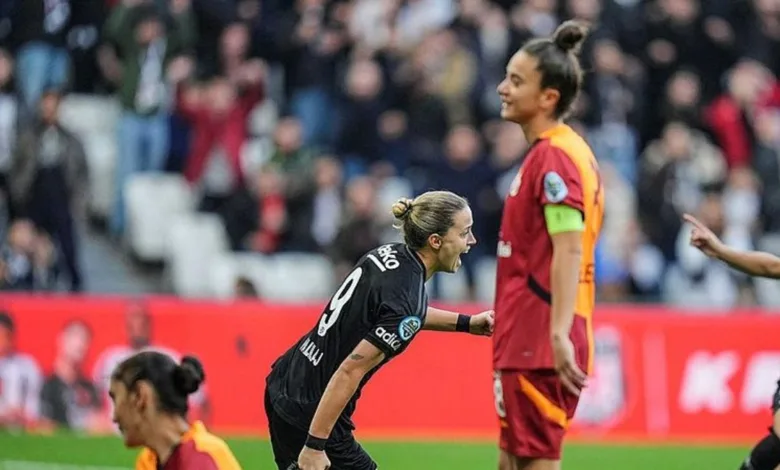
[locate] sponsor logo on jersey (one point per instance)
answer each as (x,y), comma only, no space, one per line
(555,189)
(387,259)
(390,338)
(408,327)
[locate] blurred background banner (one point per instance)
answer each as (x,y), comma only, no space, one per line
(659,373)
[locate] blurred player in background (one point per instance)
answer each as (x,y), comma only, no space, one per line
(149,391)
(68,398)
(139,329)
(545,292)
(766,454)
(20,381)
(313,388)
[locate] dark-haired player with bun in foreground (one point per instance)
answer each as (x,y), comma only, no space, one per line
(313,388)
(149,391)
(766,454)
(545,290)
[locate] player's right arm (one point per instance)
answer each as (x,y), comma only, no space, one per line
(754,263)
(340,389)
(342,386)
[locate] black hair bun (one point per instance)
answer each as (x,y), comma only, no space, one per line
(570,35)
(189,375)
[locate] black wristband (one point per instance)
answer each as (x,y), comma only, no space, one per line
(316,443)
(463,323)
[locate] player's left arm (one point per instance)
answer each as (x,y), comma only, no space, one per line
(342,386)
(443,320)
(560,192)
(561,195)
(565,226)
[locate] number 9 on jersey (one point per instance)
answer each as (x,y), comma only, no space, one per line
(339,301)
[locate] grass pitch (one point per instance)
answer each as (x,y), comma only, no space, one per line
(73,452)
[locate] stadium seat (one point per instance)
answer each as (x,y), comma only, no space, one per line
(153,200)
(259,269)
(295,277)
(86,114)
(94,120)
(227,267)
(485,278)
(223,273)
(195,242)
(101,151)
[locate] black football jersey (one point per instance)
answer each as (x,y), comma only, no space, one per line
(382,301)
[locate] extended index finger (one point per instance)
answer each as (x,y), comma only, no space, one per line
(693,221)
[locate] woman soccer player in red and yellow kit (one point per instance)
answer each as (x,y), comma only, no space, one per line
(150,391)
(545,289)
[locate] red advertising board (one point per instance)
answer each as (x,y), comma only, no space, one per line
(659,374)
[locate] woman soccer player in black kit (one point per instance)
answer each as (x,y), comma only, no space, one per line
(766,454)
(312,389)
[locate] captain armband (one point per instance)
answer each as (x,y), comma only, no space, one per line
(560,218)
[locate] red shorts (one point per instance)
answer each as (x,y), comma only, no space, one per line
(534,410)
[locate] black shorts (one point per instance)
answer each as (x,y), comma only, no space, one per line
(776,399)
(287,442)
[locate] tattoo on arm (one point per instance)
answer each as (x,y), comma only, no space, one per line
(356,357)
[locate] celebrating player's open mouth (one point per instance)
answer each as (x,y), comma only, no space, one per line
(458,261)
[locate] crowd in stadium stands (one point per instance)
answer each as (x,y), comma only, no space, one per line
(681,106)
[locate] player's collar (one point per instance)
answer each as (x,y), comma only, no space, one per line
(555,131)
(413,254)
(195,428)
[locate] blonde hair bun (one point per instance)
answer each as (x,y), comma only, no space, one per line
(402,208)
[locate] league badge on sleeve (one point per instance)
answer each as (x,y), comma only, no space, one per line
(555,189)
(408,327)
